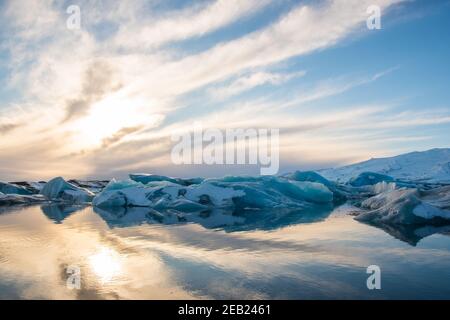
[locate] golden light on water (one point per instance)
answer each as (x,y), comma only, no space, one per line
(106,264)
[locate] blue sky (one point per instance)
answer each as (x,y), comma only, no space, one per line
(104,100)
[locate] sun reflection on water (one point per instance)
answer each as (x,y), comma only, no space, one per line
(106,264)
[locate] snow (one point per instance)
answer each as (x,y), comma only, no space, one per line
(58,189)
(431,166)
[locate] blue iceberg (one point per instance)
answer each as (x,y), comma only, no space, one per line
(369,179)
(9,188)
(58,189)
(229,192)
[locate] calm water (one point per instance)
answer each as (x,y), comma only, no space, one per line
(295,255)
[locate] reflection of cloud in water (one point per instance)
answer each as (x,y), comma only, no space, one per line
(324,259)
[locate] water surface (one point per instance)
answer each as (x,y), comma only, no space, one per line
(134,254)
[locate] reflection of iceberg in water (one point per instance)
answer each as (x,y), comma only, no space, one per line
(134,216)
(225,219)
(412,233)
(59,212)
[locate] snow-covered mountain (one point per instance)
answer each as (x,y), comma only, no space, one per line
(427,166)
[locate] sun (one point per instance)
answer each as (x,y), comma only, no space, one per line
(107,117)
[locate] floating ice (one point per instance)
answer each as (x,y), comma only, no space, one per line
(9,188)
(60,190)
(309,176)
(147,178)
(15,199)
(228,192)
(402,206)
(164,194)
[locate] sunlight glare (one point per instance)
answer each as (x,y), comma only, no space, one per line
(105,264)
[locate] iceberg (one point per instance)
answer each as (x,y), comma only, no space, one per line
(228,192)
(369,179)
(147,178)
(94,186)
(58,189)
(339,194)
(15,199)
(164,194)
(10,188)
(403,206)
(309,176)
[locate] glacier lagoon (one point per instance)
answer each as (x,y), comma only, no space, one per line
(133,253)
(301,235)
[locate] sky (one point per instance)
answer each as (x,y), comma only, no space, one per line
(104,100)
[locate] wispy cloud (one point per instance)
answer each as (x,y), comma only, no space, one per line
(198,21)
(251,81)
(105,100)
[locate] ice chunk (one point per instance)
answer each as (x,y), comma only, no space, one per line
(275,192)
(60,190)
(217,196)
(309,176)
(148,178)
(15,199)
(125,193)
(401,206)
(9,188)
(369,178)
(437,197)
(94,186)
(427,211)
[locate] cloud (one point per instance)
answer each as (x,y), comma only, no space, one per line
(5,128)
(119,135)
(251,81)
(105,89)
(183,24)
(97,83)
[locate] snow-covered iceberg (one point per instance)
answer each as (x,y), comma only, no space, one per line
(58,189)
(164,194)
(407,206)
